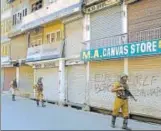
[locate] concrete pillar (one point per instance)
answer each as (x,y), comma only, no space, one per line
(18,75)
(61,81)
(86,38)
(125,30)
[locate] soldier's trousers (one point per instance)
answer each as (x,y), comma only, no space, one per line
(39,96)
(121,104)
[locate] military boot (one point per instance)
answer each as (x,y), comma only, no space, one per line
(125,123)
(43,105)
(113,121)
(37,102)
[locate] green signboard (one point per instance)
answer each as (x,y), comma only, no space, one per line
(152,47)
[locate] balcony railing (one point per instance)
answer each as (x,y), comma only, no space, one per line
(105,42)
(148,34)
(45,51)
(50,12)
(15,30)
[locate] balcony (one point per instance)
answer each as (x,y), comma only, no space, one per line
(51,12)
(5,60)
(148,34)
(105,42)
(144,35)
(45,52)
(16,30)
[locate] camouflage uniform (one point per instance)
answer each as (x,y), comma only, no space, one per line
(39,92)
(13,87)
(121,101)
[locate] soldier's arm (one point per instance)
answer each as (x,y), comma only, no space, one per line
(116,87)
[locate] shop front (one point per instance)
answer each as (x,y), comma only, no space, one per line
(143,68)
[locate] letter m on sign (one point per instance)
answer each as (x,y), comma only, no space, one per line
(85,55)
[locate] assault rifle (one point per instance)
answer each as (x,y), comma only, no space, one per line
(128,93)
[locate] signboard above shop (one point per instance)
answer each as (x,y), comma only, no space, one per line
(100,6)
(144,48)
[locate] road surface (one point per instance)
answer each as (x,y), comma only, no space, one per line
(23,114)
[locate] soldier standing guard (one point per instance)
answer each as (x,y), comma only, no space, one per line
(121,101)
(13,87)
(39,92)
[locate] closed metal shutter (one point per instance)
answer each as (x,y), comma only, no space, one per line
(76,83)
(50,82)
(2,78)
(106,23)
(9,75)
(26,78)
(145,84)
(74,37)
(144,15)
(102,76)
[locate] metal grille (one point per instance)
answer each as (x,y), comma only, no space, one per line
(149,34)
(107,41)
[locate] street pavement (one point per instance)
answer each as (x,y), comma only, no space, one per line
(23,114)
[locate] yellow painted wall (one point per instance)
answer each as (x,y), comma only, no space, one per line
(19,47)
(5,49)
(6,26)
(54,26)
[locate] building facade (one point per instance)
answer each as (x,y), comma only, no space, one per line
(132,47)
(8,71)
(80,48)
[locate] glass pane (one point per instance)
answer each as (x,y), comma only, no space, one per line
(58,36)
(53,37)
(48,38)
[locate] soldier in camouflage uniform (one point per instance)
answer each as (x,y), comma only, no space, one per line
(13,87)
(121,101)
(39,92)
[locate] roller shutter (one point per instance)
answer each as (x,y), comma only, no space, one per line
(102,75)
(76,83)
(50,81)
(145,84)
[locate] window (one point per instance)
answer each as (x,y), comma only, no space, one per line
(48,38)
(5,50)
(2,28)
(53,37)
(17,17)
(58,34)
(37,5)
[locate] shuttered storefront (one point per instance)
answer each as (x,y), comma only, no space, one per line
(26,79)
(107,22)
(2,78)
(143,16)
(145,84)
(104,23)
(50,82)
(9,75)
(74,37)
(102,75)
(76,83)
